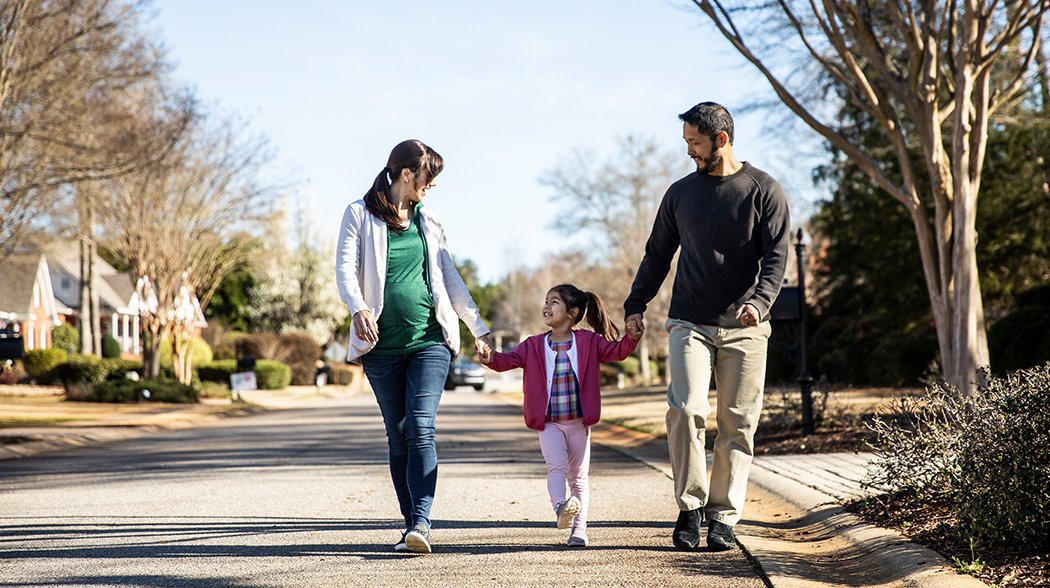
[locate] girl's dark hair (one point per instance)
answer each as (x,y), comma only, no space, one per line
(413,155)
(587,304)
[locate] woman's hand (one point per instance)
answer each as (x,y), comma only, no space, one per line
(483,346)
(365,326)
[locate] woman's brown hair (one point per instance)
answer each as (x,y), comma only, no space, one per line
(412,155)
(587,304)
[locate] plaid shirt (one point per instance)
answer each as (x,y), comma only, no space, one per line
(564,403)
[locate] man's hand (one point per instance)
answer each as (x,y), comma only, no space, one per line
(483,346)
(748,315)
(365,326)
(634,326)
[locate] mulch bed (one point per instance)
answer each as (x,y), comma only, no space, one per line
(823,440)
(932,525)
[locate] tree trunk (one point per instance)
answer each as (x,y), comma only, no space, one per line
(150,350)
(85,321)
(643,355)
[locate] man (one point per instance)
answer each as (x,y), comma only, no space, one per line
(730,220)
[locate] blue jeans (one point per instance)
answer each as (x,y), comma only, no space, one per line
(408,389)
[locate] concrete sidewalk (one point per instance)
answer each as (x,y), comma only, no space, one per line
(794,526)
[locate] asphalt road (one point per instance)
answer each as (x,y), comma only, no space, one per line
(302,498)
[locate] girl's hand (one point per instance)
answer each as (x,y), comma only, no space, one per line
(483,346)
(365,326)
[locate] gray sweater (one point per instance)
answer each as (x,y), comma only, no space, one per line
(733,232)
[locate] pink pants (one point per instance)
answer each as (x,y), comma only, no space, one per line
(566,448)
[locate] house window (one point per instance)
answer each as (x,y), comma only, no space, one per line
(36,295)
(65,283)
(43,337)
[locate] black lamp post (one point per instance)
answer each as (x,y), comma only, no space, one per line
(805,380)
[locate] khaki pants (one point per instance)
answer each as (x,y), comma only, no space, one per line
(737,358)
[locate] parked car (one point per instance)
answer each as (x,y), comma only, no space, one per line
(464,372)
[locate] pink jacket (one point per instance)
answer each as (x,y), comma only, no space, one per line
(591,350)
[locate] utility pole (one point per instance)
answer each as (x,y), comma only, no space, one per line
(805,380)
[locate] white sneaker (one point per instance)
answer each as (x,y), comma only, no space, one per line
(566,511)
(578,537)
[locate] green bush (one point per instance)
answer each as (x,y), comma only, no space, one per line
(65,337)
(40,363)
(200,352)
(160,390)
(1004,464)
(117,369)
(986,453)
(215,390)
(110,346)
(272,375)
(82,369)
(217,371)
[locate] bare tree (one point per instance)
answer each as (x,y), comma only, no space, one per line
(71,80)
(183,223)
(932,75)
(614,202)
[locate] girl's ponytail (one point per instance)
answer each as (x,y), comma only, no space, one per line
(598,318)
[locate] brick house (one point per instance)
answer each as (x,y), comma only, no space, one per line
(28,308)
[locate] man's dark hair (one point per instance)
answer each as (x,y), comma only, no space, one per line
(710,118)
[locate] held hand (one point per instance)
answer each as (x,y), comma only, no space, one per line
(483,346)
(365,326)
(634,326)
(748,315)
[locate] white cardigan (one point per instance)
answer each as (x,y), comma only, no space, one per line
(360,272)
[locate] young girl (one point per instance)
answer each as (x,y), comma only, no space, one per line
(562,394)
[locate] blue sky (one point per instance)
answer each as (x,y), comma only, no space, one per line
(502,90)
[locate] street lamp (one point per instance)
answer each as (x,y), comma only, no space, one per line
(805,380)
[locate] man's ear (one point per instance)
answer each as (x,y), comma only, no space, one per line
(721,139)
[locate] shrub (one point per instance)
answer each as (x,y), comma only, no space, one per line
(40,363)
(986,453)
(201,352)
(82,369)
(160,390)
(1004,465)
(110,346)
(227,347)
(343,375)
(217,371)
(117,369)
(215,390)
(300,352)
(296,350)
(65,337)
(272,375)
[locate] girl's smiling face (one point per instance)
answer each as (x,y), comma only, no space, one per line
(555,313)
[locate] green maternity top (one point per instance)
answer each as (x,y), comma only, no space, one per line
(408,322)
